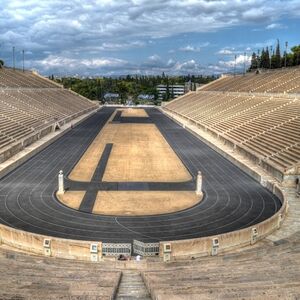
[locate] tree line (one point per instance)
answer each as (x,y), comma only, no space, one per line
(270,58)
(128,87)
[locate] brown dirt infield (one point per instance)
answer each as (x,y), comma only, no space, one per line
(139,153)
(134,112)
(71,198)
(134,203)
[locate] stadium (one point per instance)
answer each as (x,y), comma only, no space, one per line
(120,201)
(197,198)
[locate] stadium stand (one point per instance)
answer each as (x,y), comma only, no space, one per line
(31,107)
(264,126)
(265,272)
(18,79)
(34,277)
(271,81)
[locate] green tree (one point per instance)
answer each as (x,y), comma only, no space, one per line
(265,58)
(296,55)
(277,57)
(254,62)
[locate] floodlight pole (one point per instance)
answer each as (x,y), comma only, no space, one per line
(271,49)
(244,63)
(14,65)
(286,45)
(23,57)
(234,65)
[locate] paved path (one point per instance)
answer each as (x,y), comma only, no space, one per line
(232,200)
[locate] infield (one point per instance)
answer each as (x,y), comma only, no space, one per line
(134,112)
(134,203)
(140,153)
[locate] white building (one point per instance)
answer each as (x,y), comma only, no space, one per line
(145,97)
(111,97)
(175,90)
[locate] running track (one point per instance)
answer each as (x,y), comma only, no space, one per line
(232,199)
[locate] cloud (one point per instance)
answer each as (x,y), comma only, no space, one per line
(239,61)
(153,65)
(110,46)
(68,65)
(121,19)
(90,29)
(189,48)
(275,26)
(225,52)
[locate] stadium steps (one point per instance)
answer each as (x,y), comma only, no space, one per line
(33,277)
(132,287)
(274,81)
(268,271)
(29,103)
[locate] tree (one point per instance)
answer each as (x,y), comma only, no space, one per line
(265,58)
(276,62)
(296,55)
(1,63)
(254,62)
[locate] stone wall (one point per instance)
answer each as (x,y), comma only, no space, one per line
(34,243)
(232,240)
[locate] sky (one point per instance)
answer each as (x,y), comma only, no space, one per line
(119,37)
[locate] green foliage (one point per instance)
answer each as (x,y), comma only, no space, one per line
(254,61)
(1,63)
(128,87)
(275,60)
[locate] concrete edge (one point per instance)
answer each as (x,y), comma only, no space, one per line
(116,287)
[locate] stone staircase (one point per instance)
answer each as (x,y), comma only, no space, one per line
(132,287)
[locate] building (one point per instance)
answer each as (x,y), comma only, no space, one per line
(111,97)
(174,91)
(146,97)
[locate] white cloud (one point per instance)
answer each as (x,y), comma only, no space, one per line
(52,62)
(189,48)
(121,46)
(225,52)
(239,61)
(120,19)
(87,28)
(275,26)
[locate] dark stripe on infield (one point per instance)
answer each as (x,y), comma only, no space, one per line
(89,198)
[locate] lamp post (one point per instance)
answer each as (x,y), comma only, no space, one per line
(286,45)
(271,49)
(234,65)
(13,49)
(23,58)
(244,63)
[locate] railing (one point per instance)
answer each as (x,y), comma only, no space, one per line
(145,249)
(116,249)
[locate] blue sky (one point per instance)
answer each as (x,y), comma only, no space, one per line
(118,37)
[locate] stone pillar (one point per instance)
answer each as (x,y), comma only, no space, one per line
(61,188)
(199,183)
